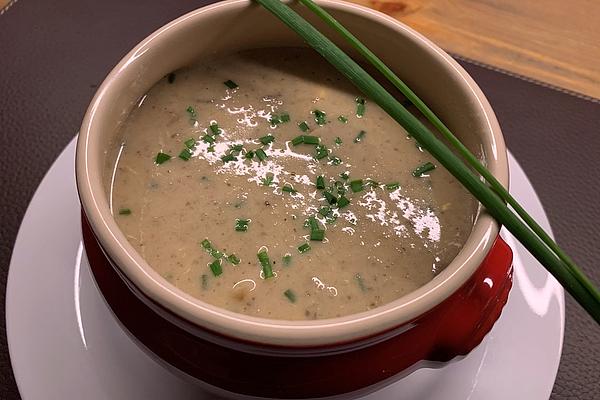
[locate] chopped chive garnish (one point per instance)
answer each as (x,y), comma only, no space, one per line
(185,154)
(211,149)
(214,128)
(230,84)
(290,295)
(320,117)
(285,117)
(321,152)
(232,258)
(207,245)
(343,119)
(423,169)
(161,158)
(263,258)
(303,248)
(303,126)
(260,153)
(320,182)
(190,110)
(288,189)
(267,180)
(371,183)
(208,139)
(124,211)
(228,157)
(215,267)
(307,139)
(317,234)
(241,225)
(312,223)
(357,185)
(324,211)
(171,77)
(344,175)
(190,143)
(335,160)
(274,120)
(392,186)
(298,140)
(331,199)
(249,154)
(360,136)
(287,259)
(343,202)
(204,281)
(360,107)
(361,282)
(266,139)
(235,149)
(338,140)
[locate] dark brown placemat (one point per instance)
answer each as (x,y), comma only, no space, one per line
(54,54)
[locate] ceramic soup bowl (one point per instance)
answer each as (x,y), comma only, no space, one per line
(241,355)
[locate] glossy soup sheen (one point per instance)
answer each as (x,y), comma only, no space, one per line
(219,199)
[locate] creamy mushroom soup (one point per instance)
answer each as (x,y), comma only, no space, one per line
(262,182)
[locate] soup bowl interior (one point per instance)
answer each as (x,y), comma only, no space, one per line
(232,26)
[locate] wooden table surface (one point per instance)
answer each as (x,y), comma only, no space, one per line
(553,41)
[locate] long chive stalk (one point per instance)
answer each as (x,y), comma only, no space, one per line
(452,139)
(486,195)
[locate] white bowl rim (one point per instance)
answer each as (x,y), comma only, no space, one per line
(280,332)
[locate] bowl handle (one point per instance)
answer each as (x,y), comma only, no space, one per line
(472,311)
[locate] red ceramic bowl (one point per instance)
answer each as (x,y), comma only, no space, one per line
(237,354)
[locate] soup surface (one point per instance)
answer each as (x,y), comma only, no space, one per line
(261,182)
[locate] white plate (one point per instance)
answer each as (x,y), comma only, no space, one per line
(65,344)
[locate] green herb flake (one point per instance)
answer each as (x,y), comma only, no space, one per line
(211,149)
(335,160)
(124,211)
(275,120)
(324,211)
(320,117)
(288,189)
(321,152)
(216,267)
(231,84)
(185,154)
(161,158)
(423,169)
(266,139)
(331,199)
(345,175)
(317,235)
(287,259)
(214,128)
(260,153)
(307,139)
(210,249)
(360,107)
(343,119)
(320,182)
(303,126)
(312,223)
(338,140)
(303,248)
(357,185)
(265,263)
(249,155)
(267,180)
(291,296)
(208,139)
(228,157)
(285,117)
(241,225)
(392,186)
(233,259)
(360,136)
(342,202)
(190,143)
(361,282)
(192,112)
(298,140)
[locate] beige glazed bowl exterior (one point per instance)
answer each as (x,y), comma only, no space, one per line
(240,24)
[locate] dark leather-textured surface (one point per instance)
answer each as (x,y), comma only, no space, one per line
(54,54)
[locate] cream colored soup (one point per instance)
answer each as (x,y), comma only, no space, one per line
(194,217)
